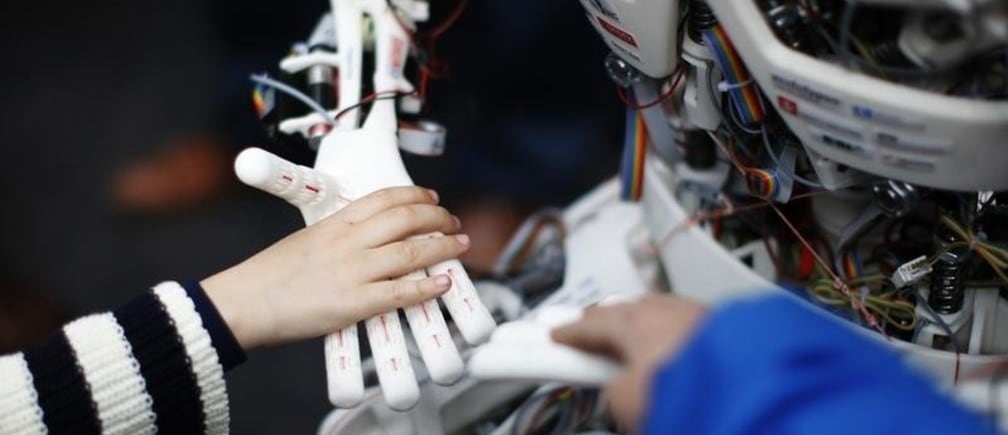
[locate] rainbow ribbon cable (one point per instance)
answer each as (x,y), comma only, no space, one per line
(741,90)
(263,99)
(762,184)
(632,165)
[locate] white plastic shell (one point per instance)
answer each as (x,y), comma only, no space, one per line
(643,33)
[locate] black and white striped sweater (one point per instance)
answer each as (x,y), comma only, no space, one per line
(155,364)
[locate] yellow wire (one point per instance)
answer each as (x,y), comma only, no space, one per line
(892,311)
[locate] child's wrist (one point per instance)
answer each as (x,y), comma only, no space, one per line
(225,290)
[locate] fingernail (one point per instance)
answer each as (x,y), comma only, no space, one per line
(442,282)
(434,195)
(462,238)
(458,222)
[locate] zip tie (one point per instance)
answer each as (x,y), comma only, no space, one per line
(724,86)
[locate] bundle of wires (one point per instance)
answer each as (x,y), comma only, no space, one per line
(740,85)
(632,164)
(889,305)
(995,256)
(568,407)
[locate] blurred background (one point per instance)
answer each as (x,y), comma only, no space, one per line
(119,121)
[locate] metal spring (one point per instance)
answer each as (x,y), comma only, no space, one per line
(948,283)
(701,18)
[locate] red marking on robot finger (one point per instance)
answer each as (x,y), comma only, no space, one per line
(425,312)
(384,324)
(313,188)
(288,178)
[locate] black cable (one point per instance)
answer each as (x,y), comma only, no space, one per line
(368,101)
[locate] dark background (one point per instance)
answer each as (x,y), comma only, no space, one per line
(91,88)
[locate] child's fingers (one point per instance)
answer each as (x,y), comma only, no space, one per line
(385,296)
(376,202)
(401,222)
(400,258)
(598,331)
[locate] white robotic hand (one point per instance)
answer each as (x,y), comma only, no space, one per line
(355,168)
(355,160)
(523,350)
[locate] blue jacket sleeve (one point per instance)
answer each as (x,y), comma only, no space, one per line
(771,366)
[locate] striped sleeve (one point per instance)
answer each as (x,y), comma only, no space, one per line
(155,364)
(19,408)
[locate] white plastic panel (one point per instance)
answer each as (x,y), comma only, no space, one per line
(903,133)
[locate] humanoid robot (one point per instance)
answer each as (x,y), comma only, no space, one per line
(844,152)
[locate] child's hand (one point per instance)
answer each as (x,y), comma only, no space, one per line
(340,270)
(642,335)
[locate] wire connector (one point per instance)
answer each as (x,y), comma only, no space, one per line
(910,272)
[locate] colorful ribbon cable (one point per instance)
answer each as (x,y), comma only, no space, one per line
(632,165)
(262,100)
(741,89)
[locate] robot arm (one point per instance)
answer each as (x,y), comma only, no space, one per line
(354,160)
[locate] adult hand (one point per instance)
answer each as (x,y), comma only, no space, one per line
(642,335)
(340,270)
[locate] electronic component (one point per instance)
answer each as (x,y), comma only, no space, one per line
(911,272)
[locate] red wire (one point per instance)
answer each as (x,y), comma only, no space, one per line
(664,96)
(448,22)
(434,68)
